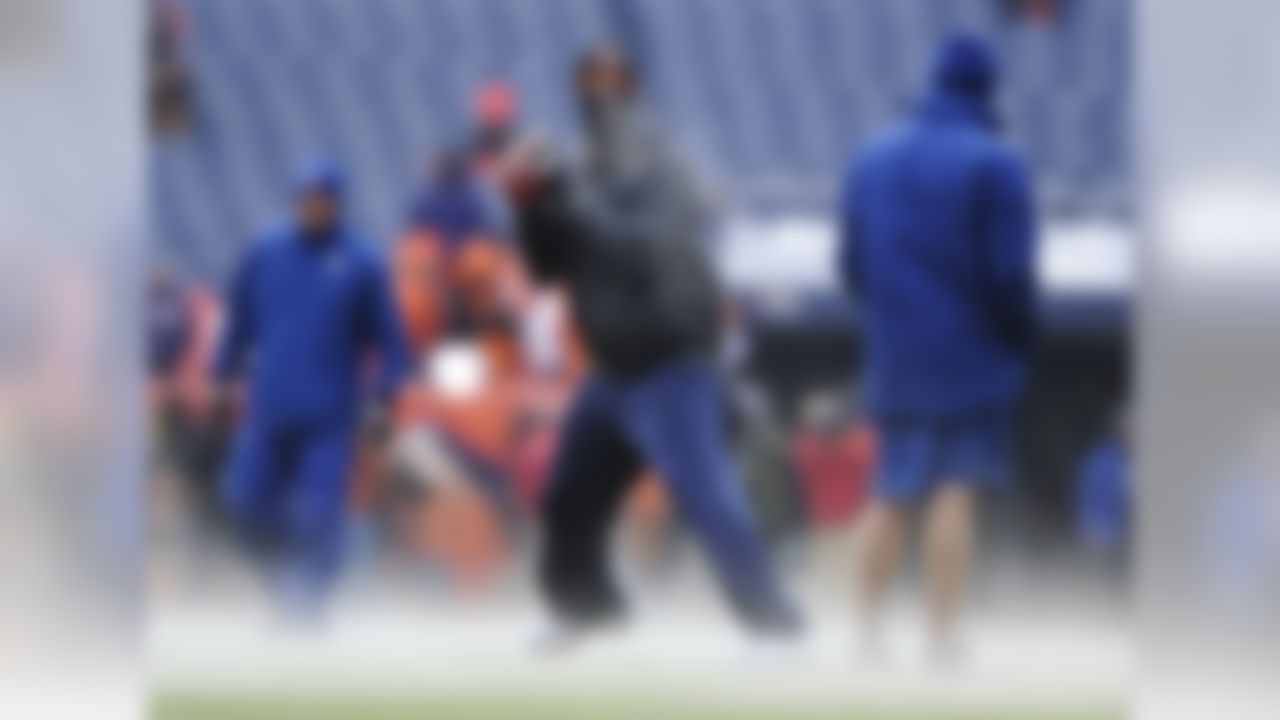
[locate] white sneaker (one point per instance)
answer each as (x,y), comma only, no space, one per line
(871,651)
(777,651)
(562,638)
(949,655)
(558,640)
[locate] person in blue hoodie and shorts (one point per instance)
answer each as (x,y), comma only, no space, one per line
(937,247)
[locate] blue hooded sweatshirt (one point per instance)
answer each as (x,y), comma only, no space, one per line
(305,314)
(937,245)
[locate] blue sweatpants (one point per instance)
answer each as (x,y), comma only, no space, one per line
(672,419)
(286,493)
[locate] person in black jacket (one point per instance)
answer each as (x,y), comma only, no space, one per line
(623,231)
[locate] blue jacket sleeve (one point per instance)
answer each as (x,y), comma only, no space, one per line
(849,239)
(385,333)
(1010,245)
(238,330)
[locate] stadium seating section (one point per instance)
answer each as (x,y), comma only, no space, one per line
(770,96)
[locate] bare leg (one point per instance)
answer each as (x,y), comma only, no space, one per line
(949,530)
(878,562)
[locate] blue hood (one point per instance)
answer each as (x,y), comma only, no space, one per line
(966,75)
(966,66)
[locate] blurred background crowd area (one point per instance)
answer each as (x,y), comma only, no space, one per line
(421,99)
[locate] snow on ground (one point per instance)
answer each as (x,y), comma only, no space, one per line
(686,653)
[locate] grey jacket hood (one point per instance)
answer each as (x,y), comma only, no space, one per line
(639,175)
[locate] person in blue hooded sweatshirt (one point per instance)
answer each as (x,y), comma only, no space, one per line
(937,246)
(307,308)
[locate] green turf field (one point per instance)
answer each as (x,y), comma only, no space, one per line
(193,707)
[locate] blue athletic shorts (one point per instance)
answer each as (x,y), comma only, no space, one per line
(917,455)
